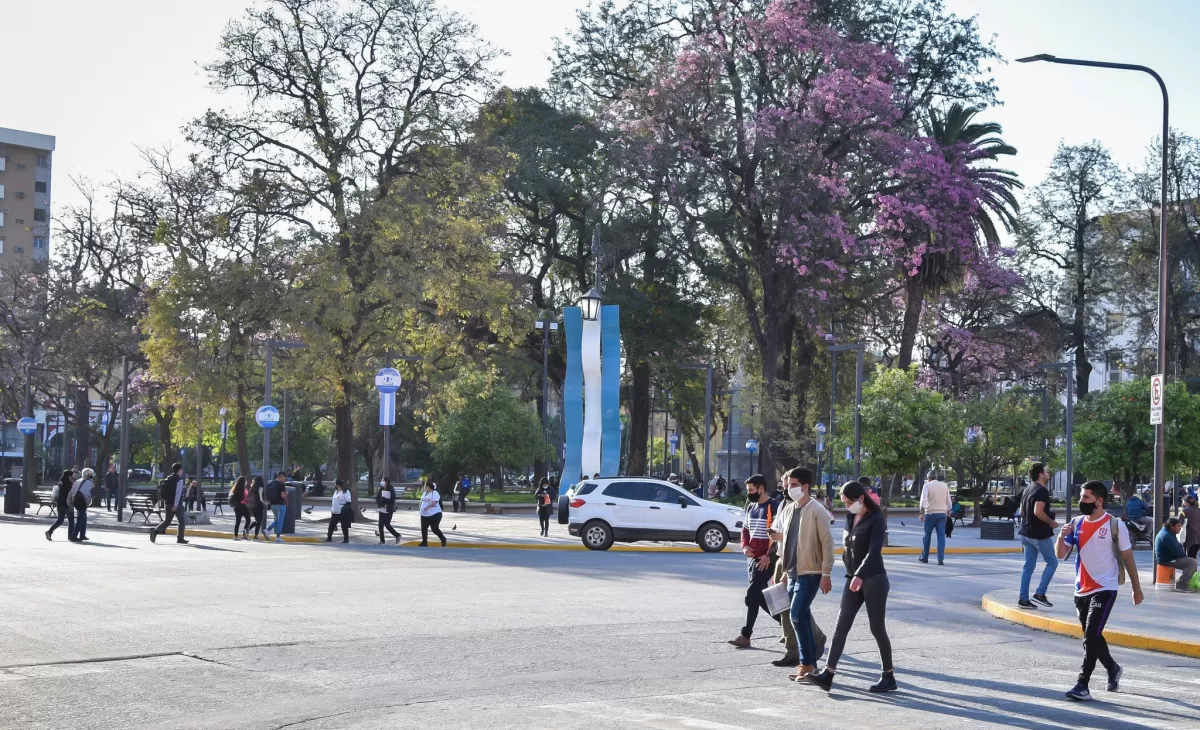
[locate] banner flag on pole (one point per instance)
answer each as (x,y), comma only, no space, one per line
(387,409)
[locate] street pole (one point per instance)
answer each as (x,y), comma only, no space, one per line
(224,435)
(1070,436)
(858,383)
(199,442)
(708,377)
(832,405)
(285,465)
(266,461)
(1159,429)
(28,456)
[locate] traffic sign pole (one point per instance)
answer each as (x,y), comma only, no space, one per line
(387,381)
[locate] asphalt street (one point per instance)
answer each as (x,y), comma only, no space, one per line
(219,634)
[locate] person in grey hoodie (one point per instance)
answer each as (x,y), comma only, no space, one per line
(176,508)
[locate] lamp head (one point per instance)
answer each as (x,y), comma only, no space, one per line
(1039,57)
(590,304)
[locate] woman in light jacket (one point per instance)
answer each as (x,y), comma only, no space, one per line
(341,511)
(431,513)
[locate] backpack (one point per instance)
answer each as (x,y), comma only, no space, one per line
(166,490)
(1116,548)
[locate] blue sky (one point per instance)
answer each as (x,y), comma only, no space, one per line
(106,77)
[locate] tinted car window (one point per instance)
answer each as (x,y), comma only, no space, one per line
(587,488)
(635,491)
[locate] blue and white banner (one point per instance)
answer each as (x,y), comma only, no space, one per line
(387,409)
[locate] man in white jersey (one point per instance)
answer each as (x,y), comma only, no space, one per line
(1104,555)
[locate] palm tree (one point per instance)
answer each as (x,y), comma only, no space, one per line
(957,133)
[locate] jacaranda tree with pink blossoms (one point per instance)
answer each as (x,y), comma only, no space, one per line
(794,166)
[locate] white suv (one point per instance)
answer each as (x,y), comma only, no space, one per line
(628,509)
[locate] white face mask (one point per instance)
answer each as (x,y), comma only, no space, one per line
(855,507)
(796,493)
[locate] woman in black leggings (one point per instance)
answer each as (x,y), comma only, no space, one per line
(66,511)
(431,513)
(386,502)
(866,582)
(254,503)
(542,497)
(237,498)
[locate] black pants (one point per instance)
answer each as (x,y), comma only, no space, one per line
(544,517)
(758,579)
(385,520)
(874,593)
(241,512)
(1093,615)
(260,514)
(177,512)
(110,496)
(949,525)
(432,522)
(460,500)
(67,514)
(1193,551)
(343,519)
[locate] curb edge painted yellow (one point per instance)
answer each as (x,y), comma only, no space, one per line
(229,536)
(1072,629)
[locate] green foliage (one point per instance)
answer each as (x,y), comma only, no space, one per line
(486,427)
(1114,438)
(1007,431)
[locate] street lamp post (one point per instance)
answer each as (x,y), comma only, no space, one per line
(1159,429)
(547,326)
(1069,369)
(859,348)
(708,383)
(820,429)
(270,347)
(224,435)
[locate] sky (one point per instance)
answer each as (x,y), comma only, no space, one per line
(108,77)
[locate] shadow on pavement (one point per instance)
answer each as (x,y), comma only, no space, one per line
(93,543)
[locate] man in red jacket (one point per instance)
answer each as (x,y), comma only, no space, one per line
(756,546)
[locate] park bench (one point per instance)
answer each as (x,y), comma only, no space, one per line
(44,499)
(145,506)
(219,501)
(1000,511)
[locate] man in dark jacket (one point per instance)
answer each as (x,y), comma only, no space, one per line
(174,504)
(111,484)
(1169,553)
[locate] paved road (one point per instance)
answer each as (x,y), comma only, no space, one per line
(218,634)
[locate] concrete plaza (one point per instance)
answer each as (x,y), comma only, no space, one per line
(119,633)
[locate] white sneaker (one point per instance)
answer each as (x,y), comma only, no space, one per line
(279,539)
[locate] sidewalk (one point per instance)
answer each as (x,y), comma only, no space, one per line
(513,532)
(1165,621)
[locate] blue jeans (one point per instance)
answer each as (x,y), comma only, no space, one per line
(803,589)
(934,521)
(1033,546)
(277,513)
(80,530)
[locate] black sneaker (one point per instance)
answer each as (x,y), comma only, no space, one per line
(786,661)
(1026,604)
(181,542)
(329,539)
(886,683)
(153,535)
(824,680)
(1114,679)
(922,560)
(940,563)
(1041,598)
(1079,693)
(51,539)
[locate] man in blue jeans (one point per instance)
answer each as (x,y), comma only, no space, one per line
(1037,536)
(935,506)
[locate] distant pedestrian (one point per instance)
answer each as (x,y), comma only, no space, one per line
(385,501)
(172,490)
(195,496)
(1037,536)
(542,497)
(256,504)
(462,488)
(62,505)
(935,508)
(1103,557)
(340,511)
(277,498)
(431,513)
(112,485)
(866,583)
(1191,514)
(237,500)
(80,499)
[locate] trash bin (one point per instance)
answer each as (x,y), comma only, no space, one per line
(294,491)
(14,497)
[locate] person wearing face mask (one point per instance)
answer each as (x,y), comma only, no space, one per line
(806,552)
(1103,557)
(386,502)
(761,511)
(866,583)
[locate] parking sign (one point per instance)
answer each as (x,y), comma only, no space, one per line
(1156,400)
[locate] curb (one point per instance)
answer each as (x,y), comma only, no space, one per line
(145,530)
(1069,628)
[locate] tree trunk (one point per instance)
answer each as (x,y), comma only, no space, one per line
(169,455)
(1083,369)
(801,387)
(343,429)
(240,433)
(914,295)
(639,419)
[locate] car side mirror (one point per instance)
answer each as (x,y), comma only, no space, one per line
(683,502)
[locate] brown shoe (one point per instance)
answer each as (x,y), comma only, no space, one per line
(801,672)
(741,642)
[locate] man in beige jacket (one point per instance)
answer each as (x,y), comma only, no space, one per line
(805,559)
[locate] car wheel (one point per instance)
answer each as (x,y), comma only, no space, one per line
(564,510)
(712,538)
(597,535)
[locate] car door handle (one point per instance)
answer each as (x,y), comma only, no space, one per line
(610,504)
(656,508)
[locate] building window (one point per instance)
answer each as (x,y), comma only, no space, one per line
(39,242)
(43,161)
(1114,323)
(20,249)
(21,165)
(20,221)
(39,215)
(1,245)
(1112,367)
(39,187)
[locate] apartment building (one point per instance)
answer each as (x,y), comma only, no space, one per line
(25,166)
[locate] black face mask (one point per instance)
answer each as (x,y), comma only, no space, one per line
(1087,508)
